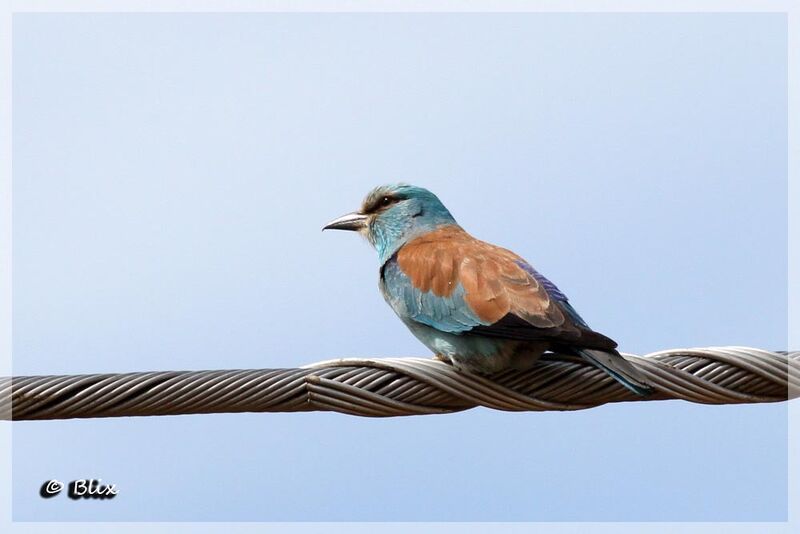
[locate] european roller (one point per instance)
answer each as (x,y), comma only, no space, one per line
(478,306)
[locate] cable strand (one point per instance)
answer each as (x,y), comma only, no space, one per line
(391,387)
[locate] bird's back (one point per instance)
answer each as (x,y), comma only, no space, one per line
(451,281)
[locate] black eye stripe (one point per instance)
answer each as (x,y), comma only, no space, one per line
(382,202)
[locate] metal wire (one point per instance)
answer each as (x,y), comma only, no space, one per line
(405,386)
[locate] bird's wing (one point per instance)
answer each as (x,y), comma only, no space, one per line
(453,282)
(446,312)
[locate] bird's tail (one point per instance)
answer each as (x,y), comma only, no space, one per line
(619,368)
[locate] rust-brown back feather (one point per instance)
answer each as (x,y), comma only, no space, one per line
(508,300)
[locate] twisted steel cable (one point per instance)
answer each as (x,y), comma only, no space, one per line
(405,386)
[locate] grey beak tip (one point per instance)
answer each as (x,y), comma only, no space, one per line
(351,221)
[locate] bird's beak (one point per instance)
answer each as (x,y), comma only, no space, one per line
(351,221)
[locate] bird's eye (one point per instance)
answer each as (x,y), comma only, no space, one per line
(385,201)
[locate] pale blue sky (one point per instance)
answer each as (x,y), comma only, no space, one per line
(172,174)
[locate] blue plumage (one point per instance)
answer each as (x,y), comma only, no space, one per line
(448,314)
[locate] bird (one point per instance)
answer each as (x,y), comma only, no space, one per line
(477,306)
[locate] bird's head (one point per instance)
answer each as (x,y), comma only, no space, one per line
(392,215)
